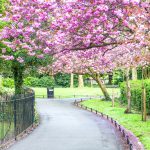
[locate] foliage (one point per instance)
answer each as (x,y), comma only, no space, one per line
(117,77)
(131,122)
(8,82)
(31,82)
(63,80)
(1,90)
(136,93)
(2,5)
(32,23)
(45,81)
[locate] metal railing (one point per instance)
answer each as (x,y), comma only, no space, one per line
(115,94)
(16,114)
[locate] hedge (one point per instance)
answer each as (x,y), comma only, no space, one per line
(31,82)
(136,93)
(39,82)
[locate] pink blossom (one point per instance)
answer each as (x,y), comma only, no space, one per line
(3,50)
(46,50)
(41,56)
(20,59)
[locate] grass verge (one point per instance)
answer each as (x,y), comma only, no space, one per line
(131,122)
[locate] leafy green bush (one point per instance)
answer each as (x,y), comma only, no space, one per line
(39,82)
(8,82)
(136,93)
(31,82)
(46,82)
(63,80)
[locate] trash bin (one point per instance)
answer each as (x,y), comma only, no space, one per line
(50,92)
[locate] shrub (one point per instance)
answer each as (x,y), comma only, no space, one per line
(45,81)
(8,82)
(136,93)
(63,80)
(31,81)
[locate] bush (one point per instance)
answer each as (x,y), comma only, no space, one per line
(8,82)
(46,82)
(63,80)
(39,82)
(31,82)
(136,93)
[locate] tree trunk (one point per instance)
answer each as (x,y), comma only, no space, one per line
(113,98)
(113,101)
(72,81)
(128,110)
(80,81)
(134,73)
(110,77)
(103,88)
(18,77)
(91,82)
(96,77)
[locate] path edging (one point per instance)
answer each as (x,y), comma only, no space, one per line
(131,139)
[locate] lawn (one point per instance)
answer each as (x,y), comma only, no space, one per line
(6,129)
(129,121)
(71,92)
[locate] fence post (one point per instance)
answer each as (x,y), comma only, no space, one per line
(33,98)
(15,118)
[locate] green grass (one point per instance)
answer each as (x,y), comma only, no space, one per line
(70,92)
(131,122)
(5,129)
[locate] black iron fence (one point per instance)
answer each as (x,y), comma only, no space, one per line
(16,114)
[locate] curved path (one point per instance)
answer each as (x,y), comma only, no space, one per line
(66,127)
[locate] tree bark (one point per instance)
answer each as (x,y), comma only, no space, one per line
(18,77)
(91,82)
(80,81)
(128,88)
(103,88)
(110,77)
(134,73)
(113,101)
(72,81)
(96,77)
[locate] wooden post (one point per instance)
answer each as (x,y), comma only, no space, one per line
(72,81)
(113,99)
(128,110)
(144,105)
(80,81)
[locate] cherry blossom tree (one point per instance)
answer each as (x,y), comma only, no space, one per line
(101,24)
(40,28)
(26,39)
(94,63)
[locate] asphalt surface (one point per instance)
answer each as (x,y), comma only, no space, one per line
(66,127)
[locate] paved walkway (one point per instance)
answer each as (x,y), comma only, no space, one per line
(66,127)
